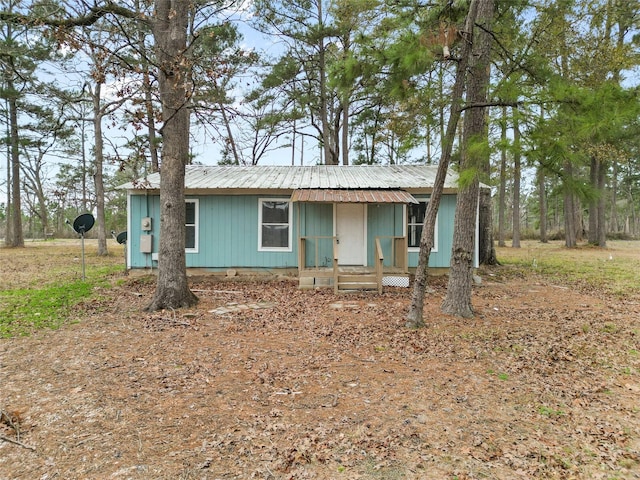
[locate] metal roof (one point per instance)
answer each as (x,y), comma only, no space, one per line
(352,196)
(272,177)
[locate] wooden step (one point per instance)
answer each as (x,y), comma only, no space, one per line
(357,282)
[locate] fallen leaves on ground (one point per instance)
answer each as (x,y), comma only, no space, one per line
(542,383)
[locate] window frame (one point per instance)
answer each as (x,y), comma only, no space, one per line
(289,246)
(408,225)
(196,225)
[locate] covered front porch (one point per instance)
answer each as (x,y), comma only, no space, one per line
(318,270)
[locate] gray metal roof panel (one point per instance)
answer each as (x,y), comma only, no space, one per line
(267,177)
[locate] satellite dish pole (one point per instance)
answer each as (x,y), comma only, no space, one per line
(82,225)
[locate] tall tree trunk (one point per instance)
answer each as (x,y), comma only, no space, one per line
(613,216)
(83,160)
(32,177)
(634,217)
(148,100)
(458,298)
(592,234)
(570,238)
(502,191)
(415,314)
(324,111)
(293,143)
(97,177)
(602,222)
(17,236)
(42,210)
(345,130)
(151,122)
(486,247)
(578,218)
(170,34)
(230,137)
(542,201)
(8,231)
(487,250)
(517,173)
(542,195)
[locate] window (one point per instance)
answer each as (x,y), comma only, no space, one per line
(191,226)
(274,224)
(415,220)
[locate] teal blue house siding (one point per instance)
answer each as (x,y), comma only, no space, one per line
(228,235)
(383,220)
(316,220)
(142,206)
(228,232)
(441,257)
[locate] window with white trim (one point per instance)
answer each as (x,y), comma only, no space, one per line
(191,225)
(415,221)
(274,228)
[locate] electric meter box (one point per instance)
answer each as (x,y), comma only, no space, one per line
(146,224)
(146,243)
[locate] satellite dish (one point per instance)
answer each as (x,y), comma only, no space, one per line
(122,238)
(83,223)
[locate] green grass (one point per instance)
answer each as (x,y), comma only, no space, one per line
(25,310)
(550,412)
(501,376)
(613,270)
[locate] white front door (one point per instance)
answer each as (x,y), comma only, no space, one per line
(350,230)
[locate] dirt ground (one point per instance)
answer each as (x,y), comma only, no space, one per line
(266,381)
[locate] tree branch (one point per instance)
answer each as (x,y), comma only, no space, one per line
(94,14)
(16,442)
(490,104)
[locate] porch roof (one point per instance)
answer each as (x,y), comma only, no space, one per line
(352,196)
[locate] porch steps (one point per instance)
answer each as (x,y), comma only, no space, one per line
(362,281)
(351,280)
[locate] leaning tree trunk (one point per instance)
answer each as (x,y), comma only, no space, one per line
(415,315)
(458,299)
(170,34)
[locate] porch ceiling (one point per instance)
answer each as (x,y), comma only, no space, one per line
(352,196)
